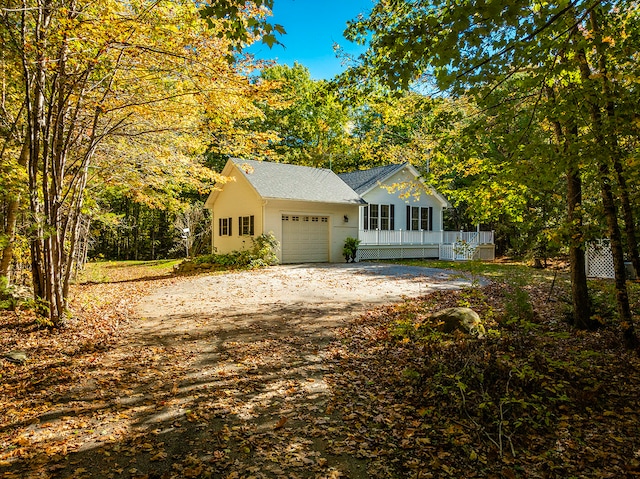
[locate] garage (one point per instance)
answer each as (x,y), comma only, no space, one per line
(305,239)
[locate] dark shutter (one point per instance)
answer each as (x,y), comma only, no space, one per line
(230,220)
(392,224)
(430,218)
(251,223)
(219,226)
(366,217)
(408,217)
(239,225)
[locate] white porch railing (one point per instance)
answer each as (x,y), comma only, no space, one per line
(401,237)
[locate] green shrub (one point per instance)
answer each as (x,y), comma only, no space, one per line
(12,296)
(262,253)
(350,248)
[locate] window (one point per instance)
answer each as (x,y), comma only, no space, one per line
(379,217)
(419,218)
(224,226)
(246,225)
(373,217)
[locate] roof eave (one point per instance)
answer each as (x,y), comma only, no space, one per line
(355,202)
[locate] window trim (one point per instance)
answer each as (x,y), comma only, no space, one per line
(374,218)
(419,218)
(246,225)
(225,226)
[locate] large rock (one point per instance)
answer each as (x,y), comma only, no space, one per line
(461,319)
(15,356)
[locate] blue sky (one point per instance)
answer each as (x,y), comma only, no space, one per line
(313,26)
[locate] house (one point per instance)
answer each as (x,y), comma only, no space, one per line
(312,211)
(403,218)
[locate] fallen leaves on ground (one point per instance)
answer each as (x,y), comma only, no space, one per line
(535,398)
(389,398)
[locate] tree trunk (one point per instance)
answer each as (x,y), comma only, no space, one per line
(608,203)
(615,151)
(579,289)
(13,207)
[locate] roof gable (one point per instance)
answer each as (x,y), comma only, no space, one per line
(363,181)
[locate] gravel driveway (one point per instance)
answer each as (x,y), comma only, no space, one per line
(325,291)
(249,351)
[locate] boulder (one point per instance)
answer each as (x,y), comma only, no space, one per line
(461,319)
(15,356)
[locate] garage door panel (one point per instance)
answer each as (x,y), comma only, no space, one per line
(305,238)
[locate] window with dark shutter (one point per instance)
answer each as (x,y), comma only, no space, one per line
(246,225)
(224,226)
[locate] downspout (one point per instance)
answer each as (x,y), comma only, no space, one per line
(264,215)
(213,233)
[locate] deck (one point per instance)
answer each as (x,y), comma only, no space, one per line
(448,245)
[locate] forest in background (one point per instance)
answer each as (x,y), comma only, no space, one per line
(117,118)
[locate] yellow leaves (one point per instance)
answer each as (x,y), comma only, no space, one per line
(193,471)
(280,424)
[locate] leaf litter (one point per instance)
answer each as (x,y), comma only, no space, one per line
(386,397)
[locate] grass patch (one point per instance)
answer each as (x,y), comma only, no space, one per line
(492,270)
(117,271)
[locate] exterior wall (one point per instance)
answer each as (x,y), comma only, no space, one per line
(237,198)
(403,179)
(338,229)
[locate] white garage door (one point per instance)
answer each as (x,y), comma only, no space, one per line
(305,239)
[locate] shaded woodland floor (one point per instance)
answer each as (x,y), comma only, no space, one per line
(384,396)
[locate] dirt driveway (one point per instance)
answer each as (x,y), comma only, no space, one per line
(252,351)
(221,376)
(293,298)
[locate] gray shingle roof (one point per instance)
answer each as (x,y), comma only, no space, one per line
(293,182)
(362,181)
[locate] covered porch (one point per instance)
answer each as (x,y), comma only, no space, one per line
(446,245)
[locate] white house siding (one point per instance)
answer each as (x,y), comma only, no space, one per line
(381,195)
(339,230)
(239,199)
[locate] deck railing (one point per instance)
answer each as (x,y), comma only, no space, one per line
(402,237)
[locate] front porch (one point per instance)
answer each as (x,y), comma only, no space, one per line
(446,245)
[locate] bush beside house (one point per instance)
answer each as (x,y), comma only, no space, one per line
(263,252)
